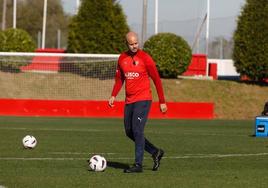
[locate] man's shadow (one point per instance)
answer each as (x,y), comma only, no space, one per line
(117,165)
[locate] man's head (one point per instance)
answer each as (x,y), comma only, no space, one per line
(132,41)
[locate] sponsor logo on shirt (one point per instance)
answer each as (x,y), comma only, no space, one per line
(132,75)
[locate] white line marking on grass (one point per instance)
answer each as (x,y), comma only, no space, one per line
(200,156)
(79,153)
(53,158)
(12,128)
(216,155)
(46,129)
(40,159)
(215,134)
(191,156)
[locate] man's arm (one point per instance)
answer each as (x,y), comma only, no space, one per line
(119,80)
(153,73)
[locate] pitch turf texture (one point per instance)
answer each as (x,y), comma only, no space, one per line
(205,154)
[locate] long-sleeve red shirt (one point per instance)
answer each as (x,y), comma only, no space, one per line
(135,70)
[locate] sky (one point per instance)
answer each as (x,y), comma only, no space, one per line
(172,9)
(182,17)
(180,9)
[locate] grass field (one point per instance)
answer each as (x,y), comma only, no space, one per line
(214,153)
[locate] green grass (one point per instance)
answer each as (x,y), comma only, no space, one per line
(216,153)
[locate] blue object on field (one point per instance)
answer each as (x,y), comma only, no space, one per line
(261,126)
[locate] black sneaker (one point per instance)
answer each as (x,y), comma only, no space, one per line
(157,158)
(134,169)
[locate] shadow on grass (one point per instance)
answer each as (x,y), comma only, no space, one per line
(117,165)
(258,83)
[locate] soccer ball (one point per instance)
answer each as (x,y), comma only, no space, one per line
(97,163)
(29,141)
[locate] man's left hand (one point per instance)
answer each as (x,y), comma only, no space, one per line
(163,108)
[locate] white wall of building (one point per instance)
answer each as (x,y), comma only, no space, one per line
(225,67)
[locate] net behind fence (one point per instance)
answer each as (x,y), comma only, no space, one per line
(60,76)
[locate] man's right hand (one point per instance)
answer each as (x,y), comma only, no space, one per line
(111,101)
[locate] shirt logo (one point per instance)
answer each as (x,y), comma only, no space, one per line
(132,75)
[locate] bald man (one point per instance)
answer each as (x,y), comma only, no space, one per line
(135,67)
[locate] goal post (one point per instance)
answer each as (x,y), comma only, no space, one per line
(59,76)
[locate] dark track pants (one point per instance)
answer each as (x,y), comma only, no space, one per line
(135,117)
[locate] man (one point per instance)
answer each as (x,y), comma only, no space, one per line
(135,67)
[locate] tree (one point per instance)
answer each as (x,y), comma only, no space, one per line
(250,52)
(99,27)
(30,19)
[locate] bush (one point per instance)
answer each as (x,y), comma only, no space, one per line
(171,53)
(2,40)
(15,40)
(250,52)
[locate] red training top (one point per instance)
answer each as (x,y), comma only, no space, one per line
(135,70)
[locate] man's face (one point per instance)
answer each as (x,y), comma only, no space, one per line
(133,44)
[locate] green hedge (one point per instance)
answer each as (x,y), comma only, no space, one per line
(171,53)
(15,40)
